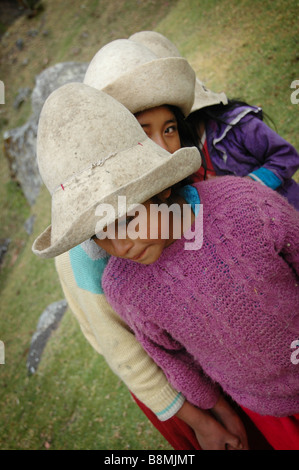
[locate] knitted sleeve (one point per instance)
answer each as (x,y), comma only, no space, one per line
(112,338)
(179,367)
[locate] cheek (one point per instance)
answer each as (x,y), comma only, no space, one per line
(176,144)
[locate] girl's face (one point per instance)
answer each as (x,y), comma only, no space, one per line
(144,248)
(160,125)
(142,235)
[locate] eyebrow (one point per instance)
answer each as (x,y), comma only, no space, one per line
(169,121)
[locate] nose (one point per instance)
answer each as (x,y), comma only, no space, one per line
(122,246)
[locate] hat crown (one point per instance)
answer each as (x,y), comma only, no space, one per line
(114,60)
(157,43)
(139,78)
(73,124)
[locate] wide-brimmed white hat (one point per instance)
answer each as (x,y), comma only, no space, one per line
(163,47)
(90,150)
(139,79)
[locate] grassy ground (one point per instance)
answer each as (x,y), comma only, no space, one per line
(247,48)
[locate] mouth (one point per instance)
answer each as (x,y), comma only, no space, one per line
(140,256)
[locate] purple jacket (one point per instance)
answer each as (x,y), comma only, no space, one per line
(252,148)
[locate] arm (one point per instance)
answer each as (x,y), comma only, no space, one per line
(276,159)
(111,337)
(217,427)
(178,365)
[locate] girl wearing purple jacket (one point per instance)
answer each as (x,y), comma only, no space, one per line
(233,140)
(236,141)
(232,135)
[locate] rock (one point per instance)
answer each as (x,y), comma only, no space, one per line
(20,143)
(47,323)
(32,33)
(52,78)
(23,95)
(20,44)
(19,148)
(29,223)
(4,242)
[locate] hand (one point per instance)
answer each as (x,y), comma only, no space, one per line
(212,435)
(227,416)
(210,432)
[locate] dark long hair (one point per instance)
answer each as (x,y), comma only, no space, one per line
(188,134)
(216,113)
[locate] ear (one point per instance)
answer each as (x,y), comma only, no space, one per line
(164,195)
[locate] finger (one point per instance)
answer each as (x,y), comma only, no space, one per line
(234,444)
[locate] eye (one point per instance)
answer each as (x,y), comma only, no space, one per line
(171,129)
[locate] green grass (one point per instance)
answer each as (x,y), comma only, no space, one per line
(246,48)
(73,401)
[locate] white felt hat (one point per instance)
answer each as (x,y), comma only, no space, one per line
(139,79)
(90,150)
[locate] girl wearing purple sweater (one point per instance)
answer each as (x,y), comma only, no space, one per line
(221,316)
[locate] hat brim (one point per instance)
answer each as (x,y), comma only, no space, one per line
(173,71)
(95,186)
(204,97)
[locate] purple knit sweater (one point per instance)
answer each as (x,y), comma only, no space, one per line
(226,314)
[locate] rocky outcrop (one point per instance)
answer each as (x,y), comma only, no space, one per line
(20,143)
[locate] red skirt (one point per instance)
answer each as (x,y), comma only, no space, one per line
(281,433)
